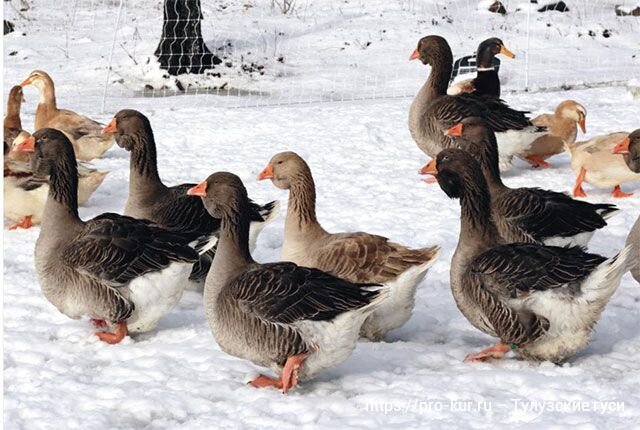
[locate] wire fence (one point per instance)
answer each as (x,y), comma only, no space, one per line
(322,50)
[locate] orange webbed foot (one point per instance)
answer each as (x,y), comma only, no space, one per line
(537,162)
(289,377)
(618,193)
(113,338)
(497,350)
(26,223)
(265,381)
(579,192)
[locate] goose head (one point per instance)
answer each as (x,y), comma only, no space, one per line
(433,50)
(474,136)
(285,169)
(223,195)
(48,146)
(630,149)
(38,79)
(456,171)
(570,109)
(130,129)
(16,95)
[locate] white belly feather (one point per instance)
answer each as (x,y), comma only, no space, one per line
(572,316)
(334,340)
(155,294)
(397,309)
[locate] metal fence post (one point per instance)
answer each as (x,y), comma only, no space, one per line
(526,63)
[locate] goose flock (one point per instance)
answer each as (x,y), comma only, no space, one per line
(521,271)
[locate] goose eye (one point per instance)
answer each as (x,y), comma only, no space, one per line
(279,162)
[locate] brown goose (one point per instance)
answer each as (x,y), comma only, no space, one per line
(356,257)
(84,133)
(433,111)
(295,320)
(541,301)
(170,207)
(486,82)
(634,241)
(606,161)
(562,126)
(12,123)
(114,269)
(530,215)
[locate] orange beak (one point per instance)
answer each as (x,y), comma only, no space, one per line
(199,190)
(622,147)
(430,169)
(111,127)
(28,145)
(414,55)
(455,131)
(505,51)
(267,173)
(25,83)
(583,126)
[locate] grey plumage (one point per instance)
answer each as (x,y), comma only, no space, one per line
(87,268)
(266,313)
(354,256)
(433,111)
(169,207)
(544,300)
(530,215)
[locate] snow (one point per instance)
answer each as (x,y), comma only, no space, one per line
(58,375)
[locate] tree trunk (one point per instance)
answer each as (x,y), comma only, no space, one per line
(181,48)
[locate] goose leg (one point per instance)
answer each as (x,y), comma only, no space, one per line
(577,190)
(617,192)
(98,323)
(494,351)
(26,223)
(113,338)
(291,370)
(537,161)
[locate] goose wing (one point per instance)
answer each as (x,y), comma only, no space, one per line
(362,257)
(188,215)
(286,293)
(543,214)
(450,110)
(515,270)
(116,249)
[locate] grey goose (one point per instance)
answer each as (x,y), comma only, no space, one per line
(170,207)
(117,270)
(433,111)
(531,215)
(542,302)
(298,321)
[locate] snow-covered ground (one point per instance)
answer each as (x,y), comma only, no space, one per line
(58,375)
